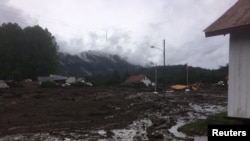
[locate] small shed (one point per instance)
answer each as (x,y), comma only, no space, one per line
(236,23)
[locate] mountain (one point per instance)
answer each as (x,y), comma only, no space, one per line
(93,63)
(101,68)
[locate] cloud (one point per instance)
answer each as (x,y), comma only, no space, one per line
(13,15)
(182,28)
(129,27)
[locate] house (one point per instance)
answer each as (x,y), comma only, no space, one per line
(52,78)
(138,80)
(62,80)
(57,79)
(236,23)
(70,80)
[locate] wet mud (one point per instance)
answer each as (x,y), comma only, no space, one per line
(103,114)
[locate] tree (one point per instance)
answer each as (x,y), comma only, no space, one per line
(26,53)
(11,40)
(42,51)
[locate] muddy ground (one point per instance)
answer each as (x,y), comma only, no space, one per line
(101,113)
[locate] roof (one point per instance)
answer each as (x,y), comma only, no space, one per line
(135,78)
(51,78)
(236,19)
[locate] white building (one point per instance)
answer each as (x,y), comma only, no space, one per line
(70,80)
(236,22)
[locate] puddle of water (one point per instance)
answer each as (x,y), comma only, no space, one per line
(197,112)
(102,133)
(124,134)
(135,130)
(205,108)
(174,130)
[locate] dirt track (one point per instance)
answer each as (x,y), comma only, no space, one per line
(98,113)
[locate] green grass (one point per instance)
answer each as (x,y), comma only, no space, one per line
(199,127)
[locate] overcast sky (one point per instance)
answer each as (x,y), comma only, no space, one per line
(129,27)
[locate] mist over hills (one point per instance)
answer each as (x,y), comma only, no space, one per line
(91,63)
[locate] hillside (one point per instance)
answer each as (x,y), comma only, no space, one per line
(92,63)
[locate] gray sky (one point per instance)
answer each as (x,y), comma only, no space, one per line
(129,27)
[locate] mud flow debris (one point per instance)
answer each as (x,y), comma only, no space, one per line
(102,114)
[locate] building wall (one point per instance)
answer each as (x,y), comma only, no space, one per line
(146,81)
(71,80)
(239,76)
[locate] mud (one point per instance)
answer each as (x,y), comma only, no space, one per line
(103,114)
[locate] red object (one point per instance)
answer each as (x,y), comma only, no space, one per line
(135,78)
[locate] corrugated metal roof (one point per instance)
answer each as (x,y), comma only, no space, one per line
(237,18)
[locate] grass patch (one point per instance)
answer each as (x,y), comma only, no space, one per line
(199,127)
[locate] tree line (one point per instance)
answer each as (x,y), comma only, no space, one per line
(174,74)
(177,74)
(26,52)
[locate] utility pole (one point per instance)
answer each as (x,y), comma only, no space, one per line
(164,86)
(155,80)
(187,75)
(164,77)
(187,90)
